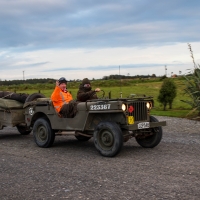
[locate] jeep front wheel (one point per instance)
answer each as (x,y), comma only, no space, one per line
(151,140)
(43,134)
(108,139)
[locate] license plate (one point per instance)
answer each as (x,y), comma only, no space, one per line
(143,125)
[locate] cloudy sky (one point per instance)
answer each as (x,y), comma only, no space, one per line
(88,38)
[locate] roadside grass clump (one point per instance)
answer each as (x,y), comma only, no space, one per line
(192,86)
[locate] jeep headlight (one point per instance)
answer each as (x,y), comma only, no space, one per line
(149,105)
(123,107)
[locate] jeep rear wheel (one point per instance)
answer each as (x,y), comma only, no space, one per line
(108,139)
(151,140)
(43,134)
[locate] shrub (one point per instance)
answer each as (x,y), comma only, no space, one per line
(167,93)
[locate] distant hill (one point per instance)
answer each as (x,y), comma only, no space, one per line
(27,81)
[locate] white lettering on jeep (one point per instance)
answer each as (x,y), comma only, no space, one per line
(100,107)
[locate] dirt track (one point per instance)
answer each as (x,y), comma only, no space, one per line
(75,170)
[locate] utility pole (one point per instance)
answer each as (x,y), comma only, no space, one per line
(23,76)
(120,83)
(166,70)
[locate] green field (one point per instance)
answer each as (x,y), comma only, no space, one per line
(117,87)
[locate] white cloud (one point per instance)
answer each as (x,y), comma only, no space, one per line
(92,38)
(96,63)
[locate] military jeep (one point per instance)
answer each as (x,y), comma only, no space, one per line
(110,122)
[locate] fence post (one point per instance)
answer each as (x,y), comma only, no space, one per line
(109,95)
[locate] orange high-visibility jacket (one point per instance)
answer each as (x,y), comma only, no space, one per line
(60,97)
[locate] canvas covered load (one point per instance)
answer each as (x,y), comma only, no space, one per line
(10,104)
(19,97)
(11,111)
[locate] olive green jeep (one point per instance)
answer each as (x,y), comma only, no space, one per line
(110,121)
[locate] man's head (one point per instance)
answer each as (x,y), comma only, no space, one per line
(62,83)
(62,80)
(86,83)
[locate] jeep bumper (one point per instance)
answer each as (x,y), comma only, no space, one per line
(143,125)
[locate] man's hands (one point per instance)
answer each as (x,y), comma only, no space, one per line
(97,90)
(57,83)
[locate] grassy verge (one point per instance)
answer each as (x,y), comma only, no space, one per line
(172,113)
(149,88)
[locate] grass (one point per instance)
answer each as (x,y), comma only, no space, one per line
(172,113)
(127,87)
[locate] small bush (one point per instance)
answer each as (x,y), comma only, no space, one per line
(167,93)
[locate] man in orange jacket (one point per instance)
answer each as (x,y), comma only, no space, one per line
(62,99)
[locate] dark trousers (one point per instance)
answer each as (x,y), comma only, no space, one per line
(69,110)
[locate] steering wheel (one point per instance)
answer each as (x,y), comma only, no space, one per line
(103,94)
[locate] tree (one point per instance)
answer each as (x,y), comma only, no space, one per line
(153,75)
(167,93)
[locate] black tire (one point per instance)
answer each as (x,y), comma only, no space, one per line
(43,134)
(152,140)
(34,96)
(23,130)
(82,138)
(108,139)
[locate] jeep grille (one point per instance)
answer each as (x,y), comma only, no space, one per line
(140,111)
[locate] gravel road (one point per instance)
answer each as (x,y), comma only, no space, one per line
(75,170)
